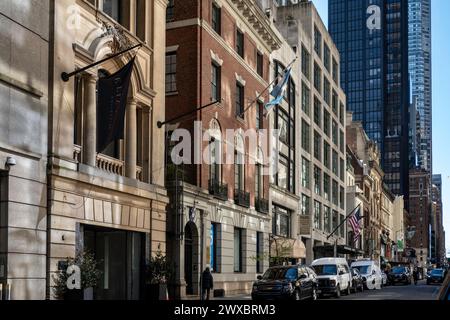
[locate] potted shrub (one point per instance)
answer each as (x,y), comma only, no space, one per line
(89,277)
(158,273)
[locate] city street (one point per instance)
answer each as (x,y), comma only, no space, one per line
(398,292)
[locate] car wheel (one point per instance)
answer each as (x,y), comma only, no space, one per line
(314,294)
(297,295)
(338,292)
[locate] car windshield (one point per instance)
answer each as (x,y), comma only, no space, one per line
(363,269)
(437,272)
(326,270)
(280,274)
(398,270)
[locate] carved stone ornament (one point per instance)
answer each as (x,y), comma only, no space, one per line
(119,41)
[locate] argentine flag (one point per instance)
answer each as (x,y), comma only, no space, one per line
(278,92)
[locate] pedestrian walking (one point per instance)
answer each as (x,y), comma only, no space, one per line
(207,284)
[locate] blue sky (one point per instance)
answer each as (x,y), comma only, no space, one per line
(441,96)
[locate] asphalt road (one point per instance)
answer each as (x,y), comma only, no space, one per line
(421,291)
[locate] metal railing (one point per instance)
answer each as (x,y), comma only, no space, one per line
(242,198)
(262,205)
(218,190)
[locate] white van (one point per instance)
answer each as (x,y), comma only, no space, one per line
(333,275)
(370,272)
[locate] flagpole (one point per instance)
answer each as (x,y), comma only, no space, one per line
(162,123)
(66,76)
(265,89)
(346,218)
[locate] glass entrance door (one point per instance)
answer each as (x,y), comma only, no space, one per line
(121,259)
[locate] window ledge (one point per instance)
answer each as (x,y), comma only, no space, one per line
(174,93)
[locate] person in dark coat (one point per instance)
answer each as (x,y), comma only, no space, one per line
(207,283)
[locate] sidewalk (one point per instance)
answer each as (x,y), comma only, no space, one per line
(231,297)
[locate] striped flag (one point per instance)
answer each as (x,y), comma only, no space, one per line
(354,223)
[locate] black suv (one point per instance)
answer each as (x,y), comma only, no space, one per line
(286,282)
(436,276)
(399,274)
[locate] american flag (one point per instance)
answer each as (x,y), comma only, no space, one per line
(354,223)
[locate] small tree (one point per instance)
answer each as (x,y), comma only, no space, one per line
(90,275)
(159,270)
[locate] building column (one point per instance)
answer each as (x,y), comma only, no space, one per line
(90,121)
(131,142)
(133,14)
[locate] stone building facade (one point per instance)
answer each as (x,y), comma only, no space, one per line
(322,120)
(111,203)
(24,96)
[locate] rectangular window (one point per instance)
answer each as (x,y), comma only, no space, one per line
(326,219)
(306,103)
(317,181)
(239,100)
(216,19)
(326,90)
(317,42)
(215,82)
(239,171)
(259,252)
(317,146)
(342,228)
(306,63)
(259,115)
(341,141)
(281,223)
(317,216)
(334,129)
(171,72)
(326,155)
(335,220)
(341,113)
(326,57)
(342,198)
(238,249)
(283,125)
(305,173)
(260,63)
(334,103)
(335,193)
(335,72)
(78,112)
(342,170)
(335,163)
(169,11)
(213,256)
(326,122)
(113,9)
(317,112)
(240,43)
(305,205)
(306,137)
(317,78)
(326,186)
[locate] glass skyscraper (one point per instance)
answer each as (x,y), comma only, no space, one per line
(372,37)
(420,73)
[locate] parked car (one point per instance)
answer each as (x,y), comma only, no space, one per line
(333,276)
(400,274)
(357,281)
(436,276)
(370,273)
(286,282)
(384,279)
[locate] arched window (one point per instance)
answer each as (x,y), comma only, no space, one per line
(215,171)
(239,164)
(259,177)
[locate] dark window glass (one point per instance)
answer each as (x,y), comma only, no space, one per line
(215,82)
(239,100)
(216,18)
(259,63)
(240,43)
(171,72)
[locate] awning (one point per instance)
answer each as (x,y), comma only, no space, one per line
(287,248)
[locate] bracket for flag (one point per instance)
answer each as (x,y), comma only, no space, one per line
(346,218)
(66,76)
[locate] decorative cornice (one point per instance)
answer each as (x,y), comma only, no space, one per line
(262,25)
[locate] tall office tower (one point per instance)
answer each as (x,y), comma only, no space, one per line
(372,37)
(420,72)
